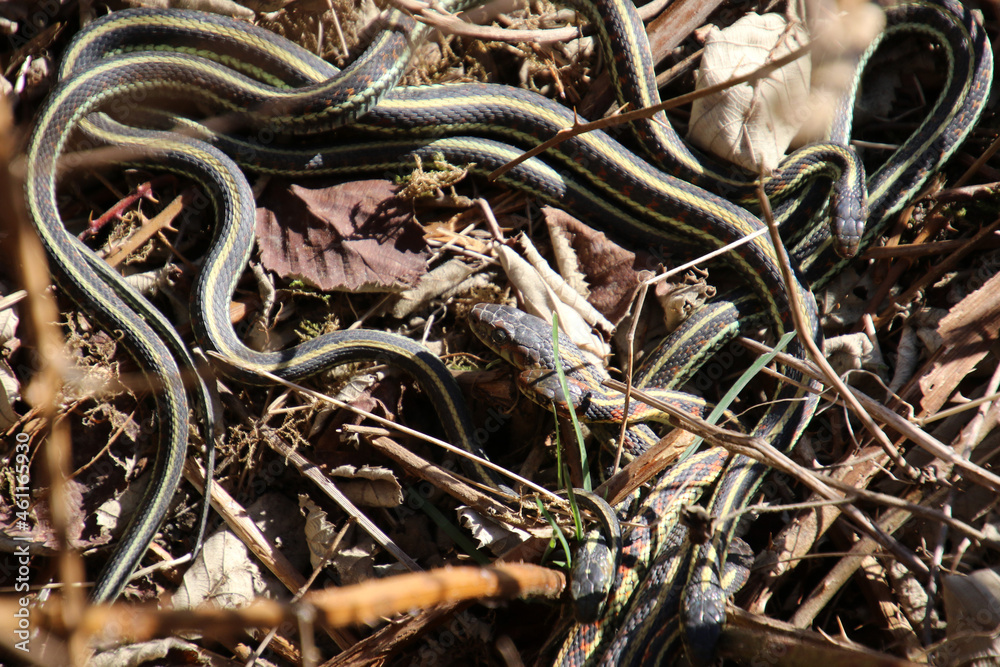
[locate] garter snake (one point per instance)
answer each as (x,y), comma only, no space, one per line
(507,113)
(646,204)
(113,303)
(522,118)
(596,559)
(673,205)
(652,551)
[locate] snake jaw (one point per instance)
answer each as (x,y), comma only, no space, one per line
(543,387)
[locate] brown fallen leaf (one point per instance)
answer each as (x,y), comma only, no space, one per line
(971,604)
(29,522)
(611,271)
(350,237)
(751,124)
(679,300)
(969,330)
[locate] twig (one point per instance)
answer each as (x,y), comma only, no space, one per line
(452,25)
(760,450)
(898,423)
(391,424)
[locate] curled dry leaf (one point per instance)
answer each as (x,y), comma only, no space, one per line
(224,572)
(842,302)
(612,272)
(354,237)
(369,485)
(320,532)
(566,257)
(10,386)
(907,359)
(357,391)
(490,534)
(227,574)
(113,514)
(679,301)
(562,287)
(151,652)
(972,608)
(541,300)
(444,280)
(751,124)
(353,557)
(971,329)
(8,330)
(849,352)
(925,323)
(10,391)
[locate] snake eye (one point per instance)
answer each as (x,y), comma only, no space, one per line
(499,337)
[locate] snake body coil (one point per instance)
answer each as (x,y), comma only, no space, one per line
(267,86)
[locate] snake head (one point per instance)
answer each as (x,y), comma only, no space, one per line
(525,341)
(850,214)
(592,576)
(521,339)
(504,329)
(703,613)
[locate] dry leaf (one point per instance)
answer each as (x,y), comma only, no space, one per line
(369,392)
(612,271)
(926,322)
(321,533)
(357,392)
(228,575)
(10,391)
(8,330)
(972,608)
(565,254)
(562,285)
(224,573)
(849,352)
(585,318)
(145,653)
(489,534)
(751,124)
(369,486)
(907,360)
(844,300)
(114,513)
(355,558)
(354,237)
(679,300)
(541,301)
(443,281)
(970,329)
